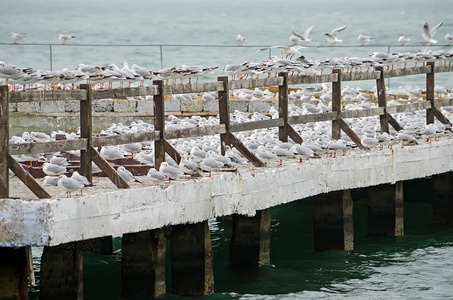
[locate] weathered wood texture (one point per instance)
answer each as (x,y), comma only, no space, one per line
(312,118)
(293,80)
(283,107)
(255,83)
(430,94)
(125,92)
(126,138)
(354,76)
(382,101)
(257,125)
(159,124)
(377,111)
(224,112)
(192,88)
(86,132)
(195,132)
(108,170)
(4,141)
(407,71)
(336,104)
(47,96)
(47,147)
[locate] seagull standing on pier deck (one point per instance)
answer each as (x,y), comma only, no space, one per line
(69,185)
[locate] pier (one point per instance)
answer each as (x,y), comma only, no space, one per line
(147,216)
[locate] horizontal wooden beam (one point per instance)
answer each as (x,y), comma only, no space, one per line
(192,88)
(312,118)
(377,111)
(444,68)
(56,95)
(356,76)
(47,147)
(121,139)
(408,107)
(195,132)
(125,92)
(443,102)
(256,125)
(255,83)
(407,71)
(292,80)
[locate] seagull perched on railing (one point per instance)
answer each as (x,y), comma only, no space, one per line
(363,39)
(403,39)
(332,37)
(240,39)
(65,37)
(16,37)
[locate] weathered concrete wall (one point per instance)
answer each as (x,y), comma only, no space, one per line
(56,221)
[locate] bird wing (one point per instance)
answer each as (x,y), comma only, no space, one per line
(426,30)
(435,28)
(307,32)
(337,30)
(298,35)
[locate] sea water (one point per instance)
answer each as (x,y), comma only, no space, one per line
(171,33)
(415,266)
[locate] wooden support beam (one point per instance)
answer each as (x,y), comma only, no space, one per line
(4,141)
(442,198)
(86,131)
(336,105)
(440,116)
(246,152)
(430,93)
(108,170)
(172,152)
(13,274)
(382,101)
(224,112)
(293,134)
(283,107)
(159,124)
(394,123)
(352,135)
(26,178)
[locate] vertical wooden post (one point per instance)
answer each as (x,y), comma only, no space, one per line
(386,210)
(4,141)
(143,264)
(333,221)
(191,260)
(250,241)
(86,131)
(442,185)
(382,100)
(224,112)
(159,124)
(283,107)
(430,93)
(336,105)
(13,274)
(62,272)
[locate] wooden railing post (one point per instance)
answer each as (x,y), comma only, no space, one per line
(336,105)
(430,93)
(283,107)
(224,112)
(159,124)
(382,100)
(4,142)
(86,131)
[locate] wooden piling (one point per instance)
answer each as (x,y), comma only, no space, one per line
(13,274)
(224,112)
(86,132)
(430,93)
(4,142)
(250,241)
(333,221)
(143,264)
(382,100)
(442,186)
(386,210)
(159,124)
(283,107)
(191,260)
(62,272)
(336,105)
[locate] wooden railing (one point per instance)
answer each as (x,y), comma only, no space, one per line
(87,143)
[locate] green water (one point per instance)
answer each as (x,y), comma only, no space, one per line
(378,268)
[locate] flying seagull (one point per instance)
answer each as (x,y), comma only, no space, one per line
(332,37)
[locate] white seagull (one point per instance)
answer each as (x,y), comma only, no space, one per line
(169,171)
(429,34)
(449,38)
(126,174)
(297,37)
(16,37)
(286,50)
(69,185)
(240,39)
(403,39)
(332,37)
(363,39)
(53,170)
(65,37)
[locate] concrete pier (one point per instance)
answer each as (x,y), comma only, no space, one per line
(191,260)
(13,274)
(62,272)
(250,241)
(386,210)
(442,185)
(332,221)
(143,264)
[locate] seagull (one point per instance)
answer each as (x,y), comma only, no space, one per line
(16,37)
(81,178)
(126,174)
(53,170)
(110,153)
(188,166)
(286,50)
(69,185)
(65,37)
(240,39)
(449,39)
(51,180)
(156,176)
(332,37)
(429,34)
(169,171)
(363,39)
(296,37)
(403,39)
